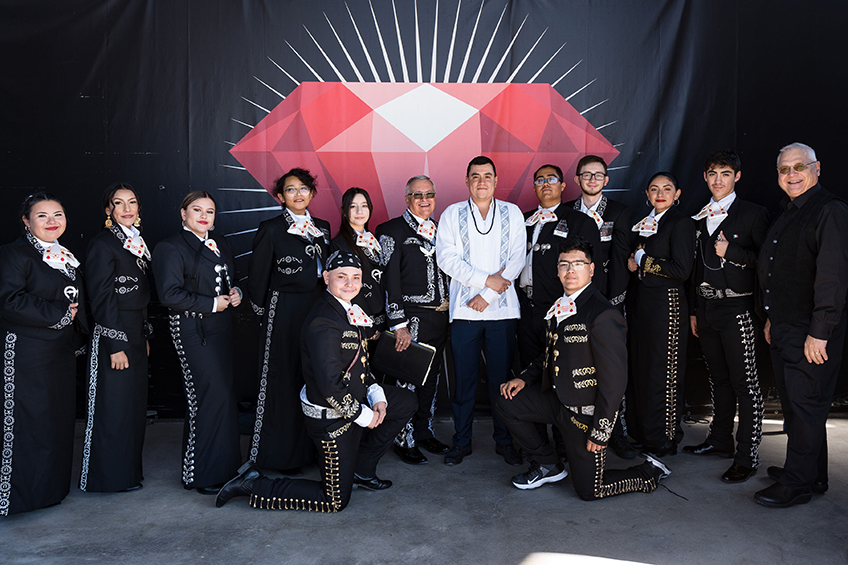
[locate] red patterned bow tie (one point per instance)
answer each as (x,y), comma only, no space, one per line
(210,243)
(305,228)
(357,317)
(712,211)
(647,227)
(427,230)
(541,216)
(367,240)
(562,309)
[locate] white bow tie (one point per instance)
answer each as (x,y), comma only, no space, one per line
(647,227)
(305,228)
(427,230)
(712,211)
(541,216)
(563,308)
(58,257)
(357,317)
(368,241)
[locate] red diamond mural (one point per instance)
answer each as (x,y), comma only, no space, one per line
(377,135)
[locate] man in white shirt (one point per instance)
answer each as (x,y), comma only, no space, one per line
(481,246)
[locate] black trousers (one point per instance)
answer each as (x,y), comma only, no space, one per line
(806,392)
(340,455)
(659,331)
(430,327)
(728,340)
(588,473)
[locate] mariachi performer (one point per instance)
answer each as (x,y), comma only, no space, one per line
(355,238)
(194,273)
(116,268)
(351,419)
(40,299)
(663,259)
(285,278)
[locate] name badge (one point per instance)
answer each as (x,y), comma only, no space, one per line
(561,229)
(606,231)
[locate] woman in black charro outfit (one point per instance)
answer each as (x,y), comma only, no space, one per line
(116,267)
(355,238)
(663,259)
(193,272)
(284,282)
(40,297)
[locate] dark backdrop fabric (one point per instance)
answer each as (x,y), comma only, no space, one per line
(149,91)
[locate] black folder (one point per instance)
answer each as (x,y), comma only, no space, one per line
(411,365)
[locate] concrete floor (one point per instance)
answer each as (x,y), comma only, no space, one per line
(436,514)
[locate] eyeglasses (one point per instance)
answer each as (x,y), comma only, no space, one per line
(572,265)
(292,191)
(542,180)
(799,168)
(588,176)
(422,195)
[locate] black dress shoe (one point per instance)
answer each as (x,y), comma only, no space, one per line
(293,472)
(410,455)
(706,448)
(668,448)
(782,496)
(738,473)
(456,453)
(374,483)
(433,445)
(622,447)
(209,490)
(510,454)
(817,487)
(240,485)
(132,488)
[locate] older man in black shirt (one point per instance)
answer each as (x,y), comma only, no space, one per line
(803,275)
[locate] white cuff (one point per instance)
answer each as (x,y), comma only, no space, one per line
(399,326)
(214,305)
(638,256)
(365,417)
(376,394)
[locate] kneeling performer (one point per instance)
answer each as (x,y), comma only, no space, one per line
(351,419)
(576,385)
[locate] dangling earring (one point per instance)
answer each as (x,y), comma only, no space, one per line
(108,222)
(212,228)
(137,222)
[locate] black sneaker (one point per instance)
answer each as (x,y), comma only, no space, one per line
(537,475)
(510,454)
(659,468)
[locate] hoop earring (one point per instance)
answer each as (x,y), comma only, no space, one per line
(108,222)
(676,201)
(648,203)
(137,222)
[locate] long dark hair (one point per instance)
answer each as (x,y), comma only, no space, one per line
(34,199)
(345,229)
(109,194)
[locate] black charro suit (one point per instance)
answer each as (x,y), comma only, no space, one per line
(39,385)
(546,286)
(338,378)
(417,293)
(577,385)
(283,284)
(611,256)
(725,326)
(185,272)
(659,331)
(119,290)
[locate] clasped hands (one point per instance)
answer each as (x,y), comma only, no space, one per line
(497,283)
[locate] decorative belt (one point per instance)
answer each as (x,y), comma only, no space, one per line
(313,411)
(443,307)
(711,293)
(584,410)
